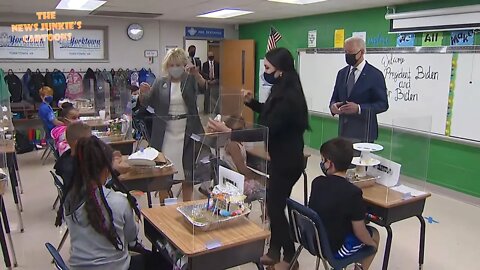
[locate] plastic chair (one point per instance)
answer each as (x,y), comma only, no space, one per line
(48,151)
(57,258)
(59,185)
(309,231)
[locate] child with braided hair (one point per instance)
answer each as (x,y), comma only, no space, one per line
(101,221)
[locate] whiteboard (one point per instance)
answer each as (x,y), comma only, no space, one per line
(417,86)
(465,109)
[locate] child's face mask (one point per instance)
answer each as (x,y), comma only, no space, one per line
(48,99)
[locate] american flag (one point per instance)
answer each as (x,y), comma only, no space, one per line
(273,38)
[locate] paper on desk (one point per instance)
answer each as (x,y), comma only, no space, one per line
(148,154)
(404,189)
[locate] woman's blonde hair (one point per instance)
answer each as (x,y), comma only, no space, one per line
(176,55)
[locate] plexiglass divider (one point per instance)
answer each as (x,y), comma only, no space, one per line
(390,160)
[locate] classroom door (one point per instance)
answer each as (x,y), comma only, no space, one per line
(237,71)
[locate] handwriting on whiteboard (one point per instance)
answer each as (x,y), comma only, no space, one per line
(400,80)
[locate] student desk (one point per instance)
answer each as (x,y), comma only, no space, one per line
(8,148)
(240,243)
(148,179)
(387,207)
(259,152)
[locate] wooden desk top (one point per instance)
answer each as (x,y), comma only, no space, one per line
(7,146)
(130,141)
(384,197)
(260,152)
(172,225)
(147,173)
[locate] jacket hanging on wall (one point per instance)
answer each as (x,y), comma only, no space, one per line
(27,85)
(89,84)
(38,82)
(121,94)
(4,93)
(14,86)
(59,85)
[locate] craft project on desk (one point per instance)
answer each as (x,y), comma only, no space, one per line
(241,243)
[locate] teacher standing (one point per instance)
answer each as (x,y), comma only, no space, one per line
(173,101)
(285,114)
(360,94)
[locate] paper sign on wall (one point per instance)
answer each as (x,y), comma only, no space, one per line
(312,39)
(433,39)
(462,38)
(406,40)
(12,46)
(362,35)
(339,38)
(85,44)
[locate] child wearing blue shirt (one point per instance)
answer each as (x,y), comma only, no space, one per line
(45,111)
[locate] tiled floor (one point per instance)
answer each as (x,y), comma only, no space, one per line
(452,243)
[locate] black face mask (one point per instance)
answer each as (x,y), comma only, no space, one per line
(324,169)
(351,58)
(211,58)
(270,78)
(191,53)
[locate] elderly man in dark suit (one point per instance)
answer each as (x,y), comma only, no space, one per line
(360,94)
(211,73)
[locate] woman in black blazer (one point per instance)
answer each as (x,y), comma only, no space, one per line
(285,114)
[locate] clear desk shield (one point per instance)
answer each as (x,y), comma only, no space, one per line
(220,176)
(390,160)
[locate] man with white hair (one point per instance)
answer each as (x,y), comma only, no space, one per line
(360,94)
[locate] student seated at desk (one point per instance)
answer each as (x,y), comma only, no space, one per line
(45,111)
(69,114)
(235,156)
(339,203)
(101,221)
(65,163)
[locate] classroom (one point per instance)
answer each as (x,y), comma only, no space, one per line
(256,134)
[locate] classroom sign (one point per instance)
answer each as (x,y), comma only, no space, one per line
(462,38)
(84,44)
(406,40)
(13,46)
(433,39)
(339,38)
(312,38)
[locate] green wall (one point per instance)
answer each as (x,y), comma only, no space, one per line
(443,163)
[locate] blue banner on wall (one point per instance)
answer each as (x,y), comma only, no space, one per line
(406,40)
(203,32)
(462,38)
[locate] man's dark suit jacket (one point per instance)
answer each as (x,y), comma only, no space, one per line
(196,61)
(370,92)
(206,70)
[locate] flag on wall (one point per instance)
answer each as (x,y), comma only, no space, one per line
(273,38)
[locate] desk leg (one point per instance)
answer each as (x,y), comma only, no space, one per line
(18,173)
(149,199)
(422,242)
(16,195)
(388,246)
(3,243)
(305,189)
(6,224)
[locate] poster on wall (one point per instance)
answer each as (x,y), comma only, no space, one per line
(85,44)
(312,38)
(12,46)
